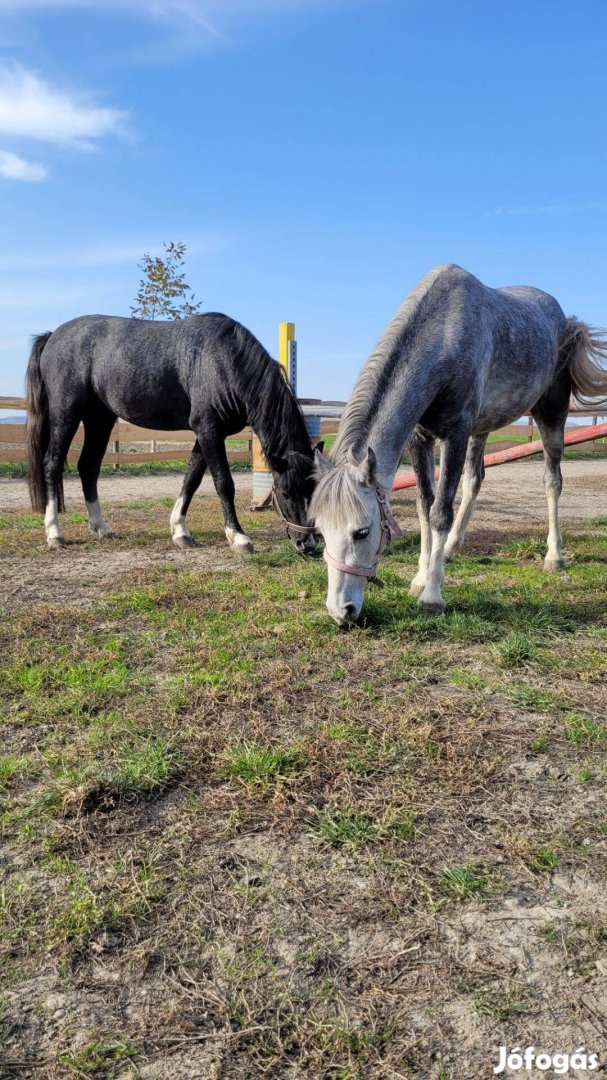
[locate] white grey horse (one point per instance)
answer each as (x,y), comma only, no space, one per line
(458,360)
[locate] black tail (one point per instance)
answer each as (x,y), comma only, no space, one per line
(38,427)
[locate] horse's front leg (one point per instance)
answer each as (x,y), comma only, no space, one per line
(474,474)
(421,452)
(213,448)
(453,456)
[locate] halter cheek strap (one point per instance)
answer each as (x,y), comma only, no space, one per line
(389,528)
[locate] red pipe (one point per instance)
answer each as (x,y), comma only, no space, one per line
(588,434)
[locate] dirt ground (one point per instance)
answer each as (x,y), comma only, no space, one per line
(507,490)
(512,498)
(238,843)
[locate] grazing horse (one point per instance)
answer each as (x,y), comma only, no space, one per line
(458,360)
(206,372)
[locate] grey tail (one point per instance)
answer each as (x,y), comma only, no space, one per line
(584,350)
(38,427)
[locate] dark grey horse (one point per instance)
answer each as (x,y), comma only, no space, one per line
(458,360)
(206,372)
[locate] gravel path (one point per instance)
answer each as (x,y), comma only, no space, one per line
(508,492)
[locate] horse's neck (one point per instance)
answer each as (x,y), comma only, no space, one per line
(277,422)
(387,421)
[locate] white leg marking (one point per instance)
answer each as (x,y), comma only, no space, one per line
(97,524)
(418,584)
(455,539)
(239,541)
(554,557)
(54,534)
(179,530)
(432,598)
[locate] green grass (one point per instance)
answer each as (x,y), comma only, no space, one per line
(544,860)
(132,773)
(464,882)
(101,1057)
(263,766)
(585,732)
(503,1004)
(518,649)
(11,767)
(542,701)
(346,827)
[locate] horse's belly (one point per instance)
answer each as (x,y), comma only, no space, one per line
(159,404)
(498,409)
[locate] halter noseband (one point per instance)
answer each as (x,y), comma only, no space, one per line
(271,501)
(389,528)
(302,531)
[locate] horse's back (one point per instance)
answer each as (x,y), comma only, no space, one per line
(136,368)
(502,343)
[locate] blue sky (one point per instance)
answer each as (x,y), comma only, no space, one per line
(316,156)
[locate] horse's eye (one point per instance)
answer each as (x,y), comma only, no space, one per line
(360,534)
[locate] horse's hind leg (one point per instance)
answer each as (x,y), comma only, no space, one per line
(453,456)
(97,429)
(191,483)
(63,425)
(550,415)
(474,474)
(213,448)
(421,452)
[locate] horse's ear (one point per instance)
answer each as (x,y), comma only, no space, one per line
(366,472)
(321,464)
(320,446)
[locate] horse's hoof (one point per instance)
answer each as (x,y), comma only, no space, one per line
(55,542)
(432,607)
(109,535)
(552,566)
(416,590)
(183,542)
(244,549)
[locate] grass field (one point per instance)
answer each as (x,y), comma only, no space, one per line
(239,842)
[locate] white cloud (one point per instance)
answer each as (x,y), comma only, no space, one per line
(13,167)
(31,108)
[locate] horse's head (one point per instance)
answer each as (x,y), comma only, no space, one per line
(294,480)
(348,510)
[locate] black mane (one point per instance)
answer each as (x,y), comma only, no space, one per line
(271,407)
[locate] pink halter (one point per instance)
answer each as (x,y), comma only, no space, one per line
(389,528)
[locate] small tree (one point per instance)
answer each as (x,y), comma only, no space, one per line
(163,291)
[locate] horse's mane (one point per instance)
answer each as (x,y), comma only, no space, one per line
(272,408)
(376,375)
(337,499)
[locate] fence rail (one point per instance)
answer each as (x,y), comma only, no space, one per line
(13,449)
